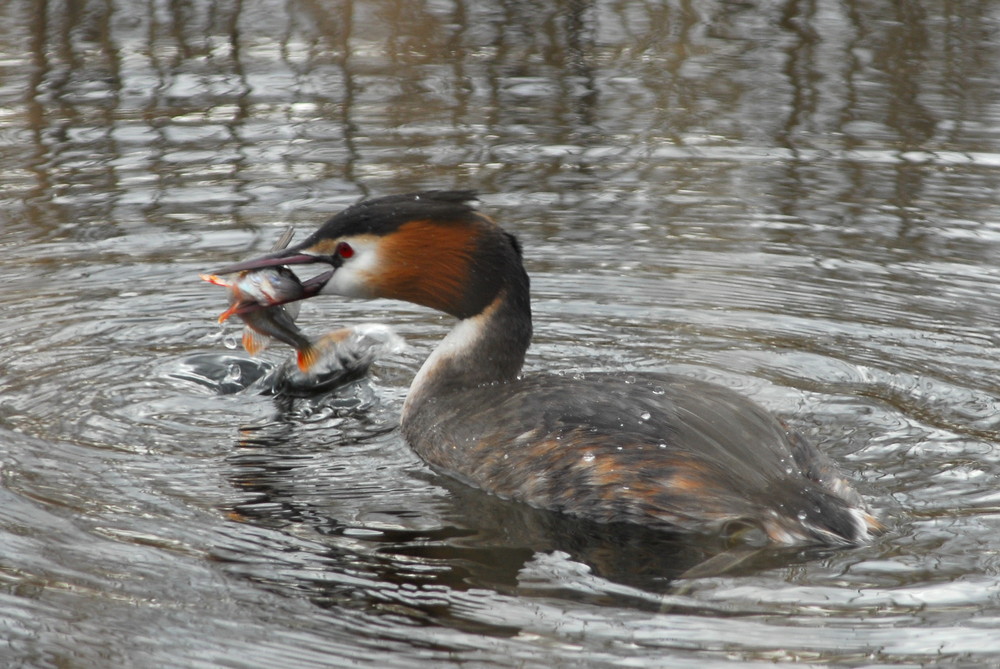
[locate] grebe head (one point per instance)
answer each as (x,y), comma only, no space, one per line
(429,248)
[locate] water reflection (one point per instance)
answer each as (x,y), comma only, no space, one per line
(795,199)
(458,539)
(135,109)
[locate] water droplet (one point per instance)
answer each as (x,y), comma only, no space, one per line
(629,379)
(588,457)
(802,515)
(645,415)
(663,445)
(233,374)
(658,390)
(229,341)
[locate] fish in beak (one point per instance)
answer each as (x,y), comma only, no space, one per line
(258,292)
(308,288)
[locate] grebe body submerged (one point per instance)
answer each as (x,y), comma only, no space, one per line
(658,450)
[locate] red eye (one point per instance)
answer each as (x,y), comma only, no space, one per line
(344,250)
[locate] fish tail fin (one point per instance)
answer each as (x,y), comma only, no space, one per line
(336,337)
(254,342)
(307,357)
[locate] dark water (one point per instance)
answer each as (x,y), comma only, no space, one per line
(795,199)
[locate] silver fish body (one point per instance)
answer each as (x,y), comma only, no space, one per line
(256,296)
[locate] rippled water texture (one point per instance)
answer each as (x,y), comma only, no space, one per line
(795,199)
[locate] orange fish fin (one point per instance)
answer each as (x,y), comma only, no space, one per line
(307,357)
(254,342)
(335,337)
(215,280)
(228,312)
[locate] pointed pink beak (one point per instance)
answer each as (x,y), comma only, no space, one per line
(270,260)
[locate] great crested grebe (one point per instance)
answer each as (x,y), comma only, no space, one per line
(658,450)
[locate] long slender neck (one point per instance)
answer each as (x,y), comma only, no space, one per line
(480,350)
